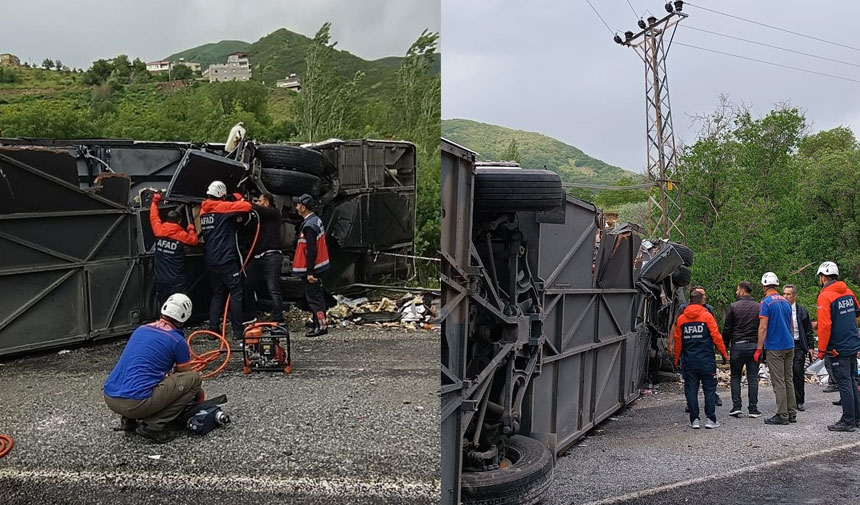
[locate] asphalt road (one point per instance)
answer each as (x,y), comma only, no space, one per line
(356,422)
(650,455)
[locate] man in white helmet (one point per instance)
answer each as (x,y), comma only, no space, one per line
(141,387)
(838,311)
(775,336)
(218,227)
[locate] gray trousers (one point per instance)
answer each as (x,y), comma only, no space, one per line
(168,399)
(779,364)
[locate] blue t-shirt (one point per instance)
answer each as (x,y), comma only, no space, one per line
(777,310)
(150,353)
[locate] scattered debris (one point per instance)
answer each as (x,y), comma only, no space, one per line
(64,351)
(154,456)
(410,311)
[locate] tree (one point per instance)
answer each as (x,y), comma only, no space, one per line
(181,72)
(511,152)
(58,65)
(326,106)
(98,72)
(318,84)
(47,63)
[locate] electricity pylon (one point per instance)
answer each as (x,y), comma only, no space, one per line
(665,209)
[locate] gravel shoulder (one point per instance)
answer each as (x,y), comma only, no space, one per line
(356,422)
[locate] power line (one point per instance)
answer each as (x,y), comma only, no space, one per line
(634,10)
(773,27)
(769,63)
(601,17)
(773,46)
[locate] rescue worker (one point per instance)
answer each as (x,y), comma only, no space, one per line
(710,309)
(169,251)
(696,334)
(141,386)
(264,267)
(218,227)
(774,336)
(804,343)
(740,331)
(837,337)
(310,259)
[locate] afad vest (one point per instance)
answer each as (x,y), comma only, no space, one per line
(218,226)
(300,260)
(170,242)
(837,319)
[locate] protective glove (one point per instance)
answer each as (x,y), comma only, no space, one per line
(238,197)
(190,228)
(156,198)
(757,355)
(820,354)
(725,359)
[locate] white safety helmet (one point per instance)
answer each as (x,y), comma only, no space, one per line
(217,189)
(828,268)
(769,279)
(177,307)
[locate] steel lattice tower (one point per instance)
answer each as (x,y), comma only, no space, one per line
(665,209)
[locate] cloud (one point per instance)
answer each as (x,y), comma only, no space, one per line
(82,31)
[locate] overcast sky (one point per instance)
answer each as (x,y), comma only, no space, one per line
(81,31)
(551,66)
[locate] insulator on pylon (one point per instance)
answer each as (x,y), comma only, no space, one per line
(641,24)
(669,8)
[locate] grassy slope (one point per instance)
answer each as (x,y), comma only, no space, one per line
(536,151)
(215,52)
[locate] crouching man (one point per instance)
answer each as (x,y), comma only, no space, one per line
(141,388)
(696,334)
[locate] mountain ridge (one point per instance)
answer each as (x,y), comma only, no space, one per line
(536,150)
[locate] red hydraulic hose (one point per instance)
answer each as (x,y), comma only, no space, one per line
(200,362)
(6,444)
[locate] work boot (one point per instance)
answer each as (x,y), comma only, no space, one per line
(837,402)
(735,412)
(754,412)
(831,388)
(126,424)
(776,419)
(158,437)
(792,419)
(310,324)
(841,426)
(316,332)
(800,407)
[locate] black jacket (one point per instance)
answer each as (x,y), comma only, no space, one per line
(804,325)
(270,229)
(741,323)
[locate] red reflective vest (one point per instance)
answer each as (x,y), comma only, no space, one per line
(300,260)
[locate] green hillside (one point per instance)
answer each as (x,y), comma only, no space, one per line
(207,54)
(536,151)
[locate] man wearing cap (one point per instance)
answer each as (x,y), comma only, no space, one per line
(218,227)
(838,338)
(169,251)
(775,337)
(141,387)
(264,267)
(310,259)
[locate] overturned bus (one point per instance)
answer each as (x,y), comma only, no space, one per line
(76,247)
(550,322)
